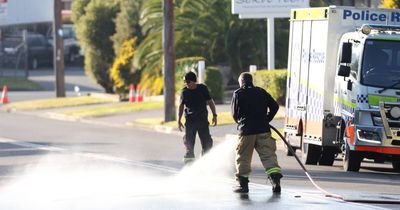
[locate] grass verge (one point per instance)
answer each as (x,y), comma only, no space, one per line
(110,109)
(19,84)
(55,103)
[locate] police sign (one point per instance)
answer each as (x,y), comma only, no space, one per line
(367,15)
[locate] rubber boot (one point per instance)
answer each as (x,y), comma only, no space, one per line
(243,185)
(275,180)
(188,160)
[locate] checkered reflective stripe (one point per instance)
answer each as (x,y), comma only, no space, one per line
(315,110)
(345,111)
(293,100)
(314,106)
(362,98)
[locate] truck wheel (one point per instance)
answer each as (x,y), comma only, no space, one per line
(396,166)
(351,160)
(327,156)
(288,152)
(310,154)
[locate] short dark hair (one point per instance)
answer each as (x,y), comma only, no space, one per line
(190,76)
(247,78)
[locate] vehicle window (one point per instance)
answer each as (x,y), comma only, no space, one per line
(42,41)
(34,42)
(355,58)
(379,67)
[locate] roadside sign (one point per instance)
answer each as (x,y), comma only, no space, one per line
(3,9)
(266,8)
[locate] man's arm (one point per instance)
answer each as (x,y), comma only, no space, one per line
(211,104)
(180,113)
(273,107)
(234,108)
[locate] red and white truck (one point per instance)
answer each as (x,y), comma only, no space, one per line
(343,86)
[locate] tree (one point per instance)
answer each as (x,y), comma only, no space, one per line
(127,23)
(202,28)
(94,30)
(390,4)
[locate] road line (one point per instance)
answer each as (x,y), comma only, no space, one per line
(154,166)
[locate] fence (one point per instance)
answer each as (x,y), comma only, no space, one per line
(24,47)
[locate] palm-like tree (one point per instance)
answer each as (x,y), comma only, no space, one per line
(202,28)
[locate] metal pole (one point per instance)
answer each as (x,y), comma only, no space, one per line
(169,61)
(202,66)
(58,50)
(271,43)
(26,50)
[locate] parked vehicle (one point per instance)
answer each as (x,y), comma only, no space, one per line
(71,45)
(343,89)
(38,50)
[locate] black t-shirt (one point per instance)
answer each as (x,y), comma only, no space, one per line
(253,108)
(195,101)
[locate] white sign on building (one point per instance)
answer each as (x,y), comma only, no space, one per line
(14,12)
(3,9)
(266,8)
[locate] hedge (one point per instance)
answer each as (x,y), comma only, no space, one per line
(273,81)
(213,79)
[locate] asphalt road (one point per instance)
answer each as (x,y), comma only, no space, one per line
(52,164)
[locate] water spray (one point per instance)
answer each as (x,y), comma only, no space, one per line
(326,193)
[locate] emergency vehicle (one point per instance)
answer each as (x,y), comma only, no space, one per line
(343,86)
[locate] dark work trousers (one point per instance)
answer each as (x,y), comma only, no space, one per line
(200,126)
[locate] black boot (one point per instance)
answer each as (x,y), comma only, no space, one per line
(275,180)
(243,185)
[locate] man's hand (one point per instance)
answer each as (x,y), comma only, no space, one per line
(214,120)
(180,125)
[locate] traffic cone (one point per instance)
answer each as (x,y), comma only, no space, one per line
(139,93)
(4,95)
(132,93)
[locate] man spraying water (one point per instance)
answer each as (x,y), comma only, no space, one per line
(250,107)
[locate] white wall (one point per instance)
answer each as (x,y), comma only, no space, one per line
(27,11)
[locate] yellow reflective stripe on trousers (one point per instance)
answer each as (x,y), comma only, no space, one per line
(273,170)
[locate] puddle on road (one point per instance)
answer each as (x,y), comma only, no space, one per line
(77,182)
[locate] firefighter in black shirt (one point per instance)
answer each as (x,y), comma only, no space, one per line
(250,106)
(193,101)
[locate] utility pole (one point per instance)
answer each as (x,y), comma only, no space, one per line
(58,50)
(169,61)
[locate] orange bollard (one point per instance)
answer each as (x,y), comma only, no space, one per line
(4,95)
(132,93)
(139,94)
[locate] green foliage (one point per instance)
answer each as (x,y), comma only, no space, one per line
(78,8)
(390,4)
(121,71)
(273,81)
(318,3)
(184,65)
(207,28)
(213,80)
(94,30)
(127,23)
